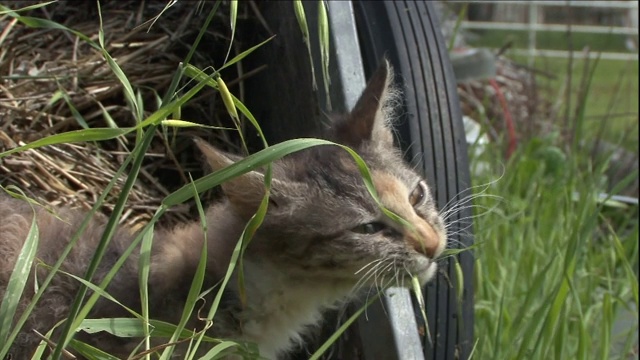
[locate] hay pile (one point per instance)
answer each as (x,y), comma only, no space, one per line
(53,82)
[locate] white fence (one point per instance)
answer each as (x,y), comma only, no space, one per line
(534,24)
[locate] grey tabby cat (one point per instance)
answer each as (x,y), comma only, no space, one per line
(322,239)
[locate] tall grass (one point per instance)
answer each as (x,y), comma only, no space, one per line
(555,261)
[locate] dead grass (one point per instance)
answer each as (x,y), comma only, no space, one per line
(53,82)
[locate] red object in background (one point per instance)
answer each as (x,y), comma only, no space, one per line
(511,131)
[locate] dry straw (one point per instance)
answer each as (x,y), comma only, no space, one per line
(53,82)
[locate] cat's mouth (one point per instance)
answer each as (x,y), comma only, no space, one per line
(424,268)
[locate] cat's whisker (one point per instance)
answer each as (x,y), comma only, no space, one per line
(452,206)
(380,276)
(374,287)
(374,265)
(454,236)
(485,187)
(469,198)
(461,207)
(369,274)
(460,248)
(367,265)
(455,239)
(457,210)
(379,288)
(380,273)
(396,274)
(467,219)
(415,161)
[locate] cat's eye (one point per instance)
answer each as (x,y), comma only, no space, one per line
(369,228)
(418,194)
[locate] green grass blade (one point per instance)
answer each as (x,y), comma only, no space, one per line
(109,231)
(496,346)
(607,325)
(188,124)
(251,229)
(38,23)
(129,94)
(304,28)
(7,11)
(44,283)
(133,327)
(17,282)
(144,266)
(323,34)
(90,352)
(218,350)
(233,15)
(245,165)
(202,77)
(97,289)
(196,283)
(74,112)
(173,86)
(417,290)
(629,272)
(100,28)
(244,54)
(203,30)
(327,344)
(155,18)
(537,287)
(75,136)
(461,15)
(247,234)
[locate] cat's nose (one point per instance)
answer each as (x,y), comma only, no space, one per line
(424,240)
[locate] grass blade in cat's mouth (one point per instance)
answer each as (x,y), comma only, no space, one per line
(425,269)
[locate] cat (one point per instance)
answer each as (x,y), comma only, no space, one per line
(323,239)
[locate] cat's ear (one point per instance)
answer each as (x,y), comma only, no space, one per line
(245,192)
(369,119)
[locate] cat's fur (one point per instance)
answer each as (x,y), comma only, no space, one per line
(309,254)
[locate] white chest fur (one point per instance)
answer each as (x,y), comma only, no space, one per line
(280,308)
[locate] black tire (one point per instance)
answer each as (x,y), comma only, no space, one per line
(431,131)
(408,34)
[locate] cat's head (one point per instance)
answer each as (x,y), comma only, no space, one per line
(323,222)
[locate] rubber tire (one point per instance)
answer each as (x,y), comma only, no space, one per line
(431,133)
(431,129)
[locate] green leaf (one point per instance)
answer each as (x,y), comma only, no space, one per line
(233,14)
(17,281)
(95,288)
(196,283)
(244,54)
(90,352)
(144,267)
(96,134)
(205,27)
(323,33)
(6,11)
(218,350)
(245,165)
(38,23)
(132,327)
(75,314)
(304,28)
(129,94)
(187,124)
(67,249)
(327,344)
